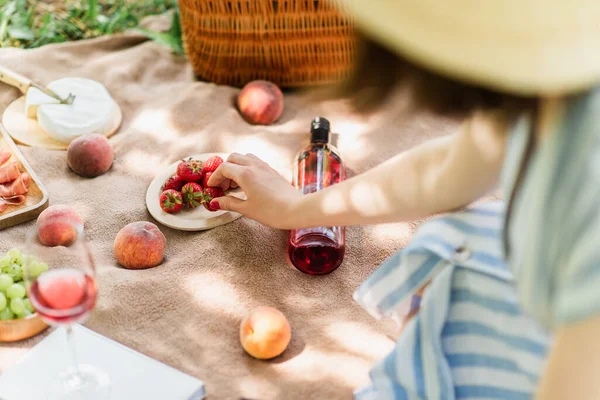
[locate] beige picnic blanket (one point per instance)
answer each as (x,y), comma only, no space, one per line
(186,312)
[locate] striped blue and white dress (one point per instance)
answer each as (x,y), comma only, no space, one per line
(484,326)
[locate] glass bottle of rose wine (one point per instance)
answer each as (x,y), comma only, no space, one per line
(318,251)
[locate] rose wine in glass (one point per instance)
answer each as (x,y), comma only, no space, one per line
(63,289)
(63,295)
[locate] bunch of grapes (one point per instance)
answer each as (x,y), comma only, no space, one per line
(14,303)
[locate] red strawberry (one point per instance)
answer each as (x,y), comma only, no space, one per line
(192,194)
(211,193)
(171,201)
(205,179)
(190,170)
(174,182)
(212,164)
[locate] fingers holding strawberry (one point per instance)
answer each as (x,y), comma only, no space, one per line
(230,173)
(269,196)
(209,194)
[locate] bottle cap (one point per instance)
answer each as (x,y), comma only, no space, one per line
(319,131)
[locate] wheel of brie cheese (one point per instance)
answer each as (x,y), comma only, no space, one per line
(90,112)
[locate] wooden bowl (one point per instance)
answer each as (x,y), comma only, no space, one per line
(20,329)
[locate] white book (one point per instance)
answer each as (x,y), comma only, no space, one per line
(133,375)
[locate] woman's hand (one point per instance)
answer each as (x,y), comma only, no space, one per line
(270,198)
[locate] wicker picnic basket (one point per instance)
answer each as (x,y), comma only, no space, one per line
(291,43)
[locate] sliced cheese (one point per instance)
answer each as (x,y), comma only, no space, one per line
(90,112)
(34,98)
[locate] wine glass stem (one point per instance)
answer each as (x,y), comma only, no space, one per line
(71,343)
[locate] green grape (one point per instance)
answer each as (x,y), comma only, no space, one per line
(44,267)
(26,313)
(16,291)
(3,301)
(6,314)
(17,306)
(16,256)
(37,268)
(5,261)
(15,271)
(5,282)
(28,305)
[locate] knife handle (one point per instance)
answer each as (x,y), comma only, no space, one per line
(14,79)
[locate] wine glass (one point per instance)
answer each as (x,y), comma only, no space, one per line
(60,277)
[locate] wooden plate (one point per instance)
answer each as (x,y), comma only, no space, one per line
(20,329)
(37,196)
(196,219)
(28,132)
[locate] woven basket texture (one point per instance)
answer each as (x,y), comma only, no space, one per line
(292,43)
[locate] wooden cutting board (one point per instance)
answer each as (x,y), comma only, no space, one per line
(27,131)
(37,196)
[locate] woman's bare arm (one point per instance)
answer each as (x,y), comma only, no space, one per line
(574,364)
(440,175)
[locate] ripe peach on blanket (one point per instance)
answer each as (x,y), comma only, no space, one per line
(260,102)
(58,226)
(140,245)
(90,155)
(265,333)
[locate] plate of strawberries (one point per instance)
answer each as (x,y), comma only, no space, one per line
(179,197)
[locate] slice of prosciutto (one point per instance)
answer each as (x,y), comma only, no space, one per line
(15,201)
(9,172)
(4,156)
(26,179)
(16,187)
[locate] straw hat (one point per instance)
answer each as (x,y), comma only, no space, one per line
(527,47)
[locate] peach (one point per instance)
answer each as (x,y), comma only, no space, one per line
(140,245)
(265,333)
(90,155)
(59,225)
(260,102)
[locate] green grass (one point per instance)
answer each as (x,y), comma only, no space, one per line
(29,24)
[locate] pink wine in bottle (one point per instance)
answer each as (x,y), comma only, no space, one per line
(318,251)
